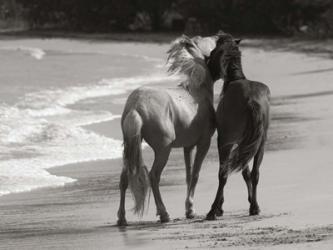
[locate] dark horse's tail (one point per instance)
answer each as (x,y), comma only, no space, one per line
(132,157)
(254,135)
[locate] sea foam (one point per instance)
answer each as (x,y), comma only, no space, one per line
(36,53)
(42,131)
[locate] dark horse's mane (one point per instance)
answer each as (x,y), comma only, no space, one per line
(225,60)
(232,64)
(230,60)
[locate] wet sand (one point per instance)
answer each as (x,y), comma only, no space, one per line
(294,191)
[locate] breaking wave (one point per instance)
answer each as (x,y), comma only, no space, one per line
(42,131)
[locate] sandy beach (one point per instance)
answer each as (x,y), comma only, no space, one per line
(294,191)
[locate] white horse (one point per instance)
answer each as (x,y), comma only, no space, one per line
(181,116)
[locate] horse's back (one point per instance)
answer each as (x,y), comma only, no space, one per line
(248,90)
(171,113)
(149,102)
(242,92)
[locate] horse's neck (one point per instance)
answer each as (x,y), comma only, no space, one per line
(234,72)
(208,92)
(203,92)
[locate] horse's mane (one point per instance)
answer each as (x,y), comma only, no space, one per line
(187,58)
(229,57)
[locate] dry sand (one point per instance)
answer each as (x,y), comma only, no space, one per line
(294,192)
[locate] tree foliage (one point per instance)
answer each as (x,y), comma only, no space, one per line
(255,16)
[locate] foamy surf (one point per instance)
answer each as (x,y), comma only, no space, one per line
(54,146)
(42,131)
(28,180)
(36,53)
(33,144)
(53,102)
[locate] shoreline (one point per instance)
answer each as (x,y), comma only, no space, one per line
(110,129)
(144,37)
(305,45)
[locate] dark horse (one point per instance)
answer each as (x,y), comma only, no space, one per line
(242,120)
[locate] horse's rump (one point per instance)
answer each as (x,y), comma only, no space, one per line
(253,136)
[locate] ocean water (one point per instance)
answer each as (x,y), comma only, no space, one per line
(40,80)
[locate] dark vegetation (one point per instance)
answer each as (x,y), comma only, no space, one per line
(290,17)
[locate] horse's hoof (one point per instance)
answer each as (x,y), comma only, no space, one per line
(211,216)
(164,218)
(190,215)
(122,223)
(219,212)
(254,210)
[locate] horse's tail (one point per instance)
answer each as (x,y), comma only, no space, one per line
(254,135)
(137,172)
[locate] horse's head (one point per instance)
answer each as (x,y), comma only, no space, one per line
(205,44)
(227,47)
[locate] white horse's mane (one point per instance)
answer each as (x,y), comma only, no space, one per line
(187,56)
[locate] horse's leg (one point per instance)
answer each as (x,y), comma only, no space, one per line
(161,158)
(216,208)
(248,180)
(202,149)
(254,207)
(123,186)
(188,166)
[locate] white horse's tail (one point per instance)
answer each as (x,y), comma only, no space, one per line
(137,172)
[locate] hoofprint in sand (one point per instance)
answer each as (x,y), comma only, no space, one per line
(294,190)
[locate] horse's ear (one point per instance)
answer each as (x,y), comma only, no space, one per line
(237,41)
(220,33)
